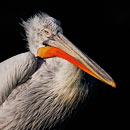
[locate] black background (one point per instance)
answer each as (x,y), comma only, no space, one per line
(99,28)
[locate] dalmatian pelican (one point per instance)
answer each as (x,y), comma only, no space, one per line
(43,86)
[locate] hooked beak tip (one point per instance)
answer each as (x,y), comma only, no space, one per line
(113,84)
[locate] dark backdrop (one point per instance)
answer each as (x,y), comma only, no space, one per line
(101,30)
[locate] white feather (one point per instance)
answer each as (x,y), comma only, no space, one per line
(15,71)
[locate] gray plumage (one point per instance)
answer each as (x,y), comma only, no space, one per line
(15,71)
(36,94)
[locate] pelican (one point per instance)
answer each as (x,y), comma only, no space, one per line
(43,86)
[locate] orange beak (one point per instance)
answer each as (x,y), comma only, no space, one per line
(86,65)
(60,46)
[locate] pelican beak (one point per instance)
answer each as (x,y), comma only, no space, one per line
(63,48)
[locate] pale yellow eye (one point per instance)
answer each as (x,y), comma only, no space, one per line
(47,33)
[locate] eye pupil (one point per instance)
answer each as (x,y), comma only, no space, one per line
(46,32)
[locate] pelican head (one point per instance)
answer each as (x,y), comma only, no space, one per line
(46,40)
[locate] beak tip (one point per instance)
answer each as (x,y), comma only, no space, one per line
(113,84)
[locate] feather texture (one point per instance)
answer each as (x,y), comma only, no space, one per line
(48,97)
(15,71)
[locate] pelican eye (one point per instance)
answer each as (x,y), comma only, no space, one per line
(47,32)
